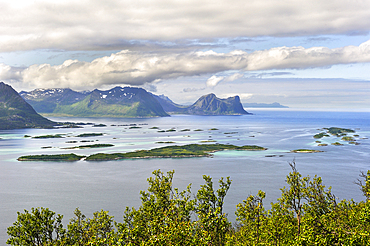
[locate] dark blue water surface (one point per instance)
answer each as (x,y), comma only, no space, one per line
(113,185)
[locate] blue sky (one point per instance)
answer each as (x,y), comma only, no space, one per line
(306,54)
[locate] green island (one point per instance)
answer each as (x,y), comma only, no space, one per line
(134,127)
(190,150)
(321,135)
(165,142)
(91,146)
(62,157)
(49,136)
(322,144)
(353,142)
(337,144)
(339,132)
(89,135)
(306,151)
(99,125)
(348,138)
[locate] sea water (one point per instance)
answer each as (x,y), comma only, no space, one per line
(114,185)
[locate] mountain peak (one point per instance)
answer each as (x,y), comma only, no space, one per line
(16,113)
(116,102)
(208,104)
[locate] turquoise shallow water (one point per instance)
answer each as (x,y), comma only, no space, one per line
(113,185)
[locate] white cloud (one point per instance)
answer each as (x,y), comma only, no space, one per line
(8,73)
(110,24)
(138,68)
(233,77)
(214,80)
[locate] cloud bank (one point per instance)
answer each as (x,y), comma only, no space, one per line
(113,24)
(138,68)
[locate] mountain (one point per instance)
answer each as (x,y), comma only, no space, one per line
(46,100)
(212,105)
(117,102)
(16,113)
(124,102)
(205,105)
(169,106)
(264,105)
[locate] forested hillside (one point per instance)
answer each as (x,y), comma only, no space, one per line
(307,213)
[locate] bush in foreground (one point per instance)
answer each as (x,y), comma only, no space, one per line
(307,213)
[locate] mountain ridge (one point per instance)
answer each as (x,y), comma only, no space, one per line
(116,102)
(208,104)
(125,102)
(16,113)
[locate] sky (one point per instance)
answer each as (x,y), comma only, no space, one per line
(302,54)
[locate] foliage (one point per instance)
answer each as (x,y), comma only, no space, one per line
(38,227)
(321,135)
(365,186)
(91,146)
(89,135)
(339,131)
(307,213)
(62,157)
(189,150)
(49,136)
(306,151)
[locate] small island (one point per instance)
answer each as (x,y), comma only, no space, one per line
(99,125)
(190,150)
(62,157)
(305,151)
(321,135)
(49,136)
(89,135)
(91,146)
(339,132)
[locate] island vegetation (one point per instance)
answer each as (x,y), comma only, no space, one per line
(347,138)
(191,150)
(306,213)
(337,144)
(306,151)
(321,135)
(49,136)
(91,146)
(99,125)
(339,132)
(89,135)
(343,133)
(61,157)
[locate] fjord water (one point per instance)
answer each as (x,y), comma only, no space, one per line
(113,185)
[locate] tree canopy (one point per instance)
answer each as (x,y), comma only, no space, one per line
(307,213)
